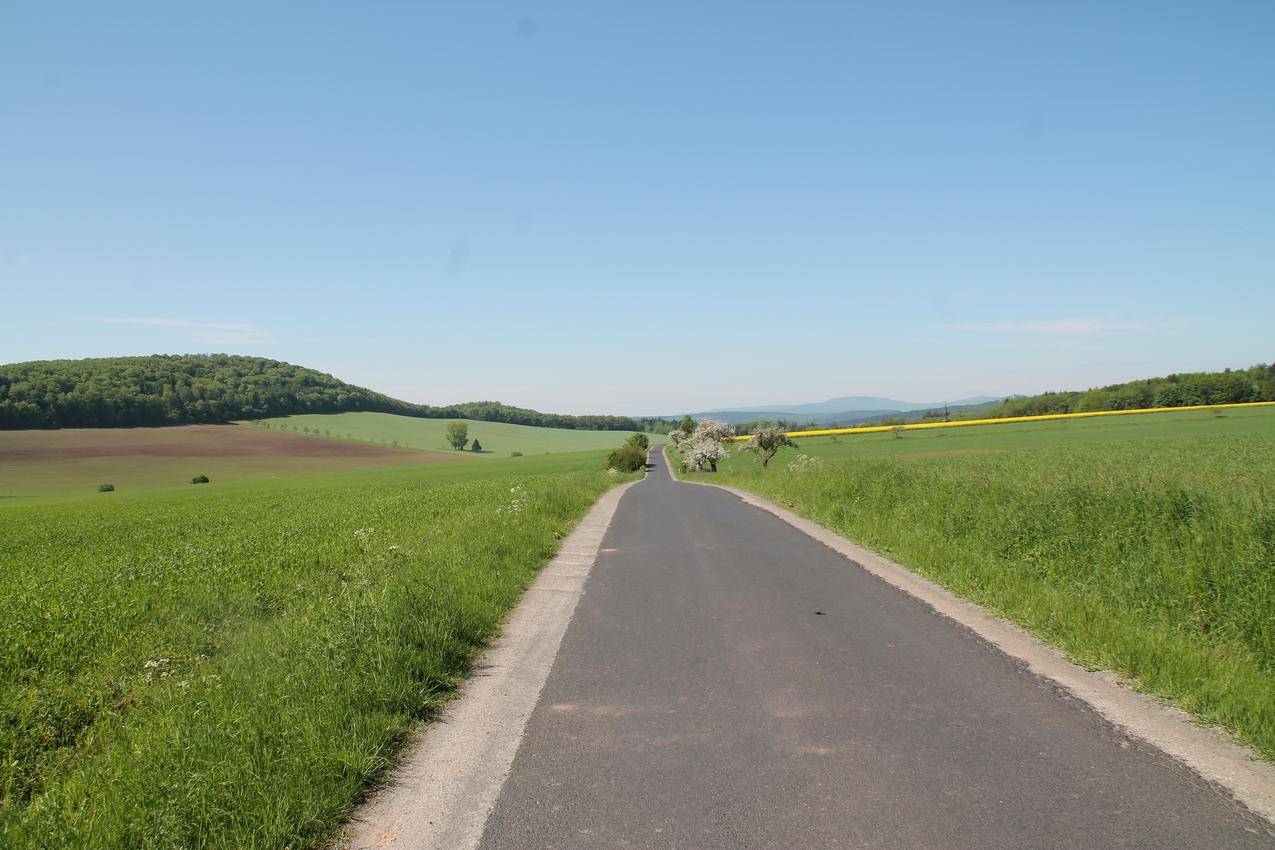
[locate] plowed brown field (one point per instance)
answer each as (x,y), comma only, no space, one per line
(75,460)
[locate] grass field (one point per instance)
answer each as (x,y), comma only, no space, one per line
(229,667)
(1144,545)
(498,439)
(67,461)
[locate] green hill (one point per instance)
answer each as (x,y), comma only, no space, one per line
(498,439)
(117,392)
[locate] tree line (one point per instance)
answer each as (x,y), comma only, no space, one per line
(178,389)
(1230,386)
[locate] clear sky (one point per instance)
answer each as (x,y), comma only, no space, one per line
(645,207)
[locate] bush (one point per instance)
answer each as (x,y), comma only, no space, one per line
(199,479)
(515,454)
(627,458)
(106,488)
(641,441)
(477,446)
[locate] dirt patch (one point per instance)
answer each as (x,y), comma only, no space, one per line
(189,441)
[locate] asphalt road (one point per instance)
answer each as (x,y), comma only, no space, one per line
(728,682)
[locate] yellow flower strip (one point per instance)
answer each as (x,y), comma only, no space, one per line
(917,426)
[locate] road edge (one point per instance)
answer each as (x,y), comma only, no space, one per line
(442,792)
(1210,753)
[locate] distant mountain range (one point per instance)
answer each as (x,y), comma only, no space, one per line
(846,410)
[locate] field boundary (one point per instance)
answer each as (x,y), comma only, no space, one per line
(1208,752)
(1043,417)
(446,786)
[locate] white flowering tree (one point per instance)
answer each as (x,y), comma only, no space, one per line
(700,455)
(705,446)
(712,429)
(677,435)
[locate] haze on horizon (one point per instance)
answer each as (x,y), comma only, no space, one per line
(644,210)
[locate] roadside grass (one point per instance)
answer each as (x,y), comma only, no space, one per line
(499,439)
(233,667)
(1149,551)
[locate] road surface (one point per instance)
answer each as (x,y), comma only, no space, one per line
(728,682)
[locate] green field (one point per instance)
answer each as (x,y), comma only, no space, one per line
(1144,545)
(498,438)
(161,649)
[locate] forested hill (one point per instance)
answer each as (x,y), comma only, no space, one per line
(1256,383)
(113,392)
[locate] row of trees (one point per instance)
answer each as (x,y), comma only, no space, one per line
(1229,386)
(117,392)
(703,446)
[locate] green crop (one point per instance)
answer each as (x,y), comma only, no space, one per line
(231,669)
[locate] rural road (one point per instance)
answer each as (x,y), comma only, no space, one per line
(728,682)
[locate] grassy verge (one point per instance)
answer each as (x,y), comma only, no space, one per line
(1154,557)
(230,669)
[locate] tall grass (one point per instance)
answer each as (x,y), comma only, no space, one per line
(231,670)
(1155,559)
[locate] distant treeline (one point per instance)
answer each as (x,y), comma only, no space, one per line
(117,392)
(1230,386)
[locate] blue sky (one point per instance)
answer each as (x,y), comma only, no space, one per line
(641,208)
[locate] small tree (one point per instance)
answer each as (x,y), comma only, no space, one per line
(640,440)
(457,435)
(477,446)
(898,430)
(199,479)
(705,447)
(765,441)
(677,435)
(687,425)
(712,429)
(701,455)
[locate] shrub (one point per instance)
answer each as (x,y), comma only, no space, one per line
(106,488)
(477,446)
(515,454)
(199,479)
(641,441)
(627,458)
